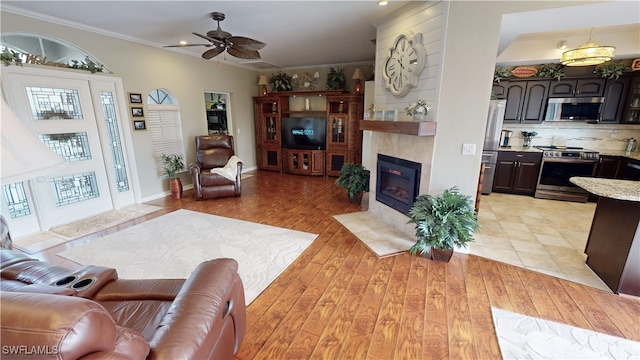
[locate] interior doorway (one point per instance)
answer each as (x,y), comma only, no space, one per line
(217,113)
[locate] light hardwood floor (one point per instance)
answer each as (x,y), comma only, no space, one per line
(339,301)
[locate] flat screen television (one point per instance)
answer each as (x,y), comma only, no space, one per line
(306,133)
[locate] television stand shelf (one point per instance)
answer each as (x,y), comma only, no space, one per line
(303,162)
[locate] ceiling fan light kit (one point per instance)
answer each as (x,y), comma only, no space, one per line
(219,41)
(589,53)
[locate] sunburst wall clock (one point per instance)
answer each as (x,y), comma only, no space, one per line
(407,58)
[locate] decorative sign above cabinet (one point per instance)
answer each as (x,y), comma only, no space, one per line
(407,58)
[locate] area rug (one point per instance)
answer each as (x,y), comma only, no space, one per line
(100,222)
(526,337)
(65,233)
(381,238)
(172,245)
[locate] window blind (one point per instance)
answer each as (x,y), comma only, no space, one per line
(166,134)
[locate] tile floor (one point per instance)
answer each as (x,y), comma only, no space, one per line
(546,236)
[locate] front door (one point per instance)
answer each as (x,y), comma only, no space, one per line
(61,112)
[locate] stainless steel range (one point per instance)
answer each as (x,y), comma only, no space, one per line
(558,166)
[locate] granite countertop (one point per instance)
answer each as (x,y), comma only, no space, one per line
(631,155)
(615,189)
(520,148)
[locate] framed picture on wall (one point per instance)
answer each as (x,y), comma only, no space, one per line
(390,115)
(135,98)
(379,115)
(139,125)
(137,112)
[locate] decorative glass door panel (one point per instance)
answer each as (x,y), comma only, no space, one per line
(61,112)
(337,128)
(271,129)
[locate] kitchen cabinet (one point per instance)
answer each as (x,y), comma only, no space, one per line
(517,172)
(526,101)
(615,96)
(577,88)
(632,110)
(499,89)
(611,167)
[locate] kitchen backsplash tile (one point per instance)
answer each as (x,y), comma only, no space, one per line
(589,136)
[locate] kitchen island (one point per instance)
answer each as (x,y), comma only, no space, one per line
(613,247)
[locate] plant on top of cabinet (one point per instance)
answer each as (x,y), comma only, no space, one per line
(500,73)
(611,69)
(555,71)
(336,79)
(281,81)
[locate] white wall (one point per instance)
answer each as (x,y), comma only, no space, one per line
(144,68)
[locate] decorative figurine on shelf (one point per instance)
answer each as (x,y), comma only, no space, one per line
(274,107)
(418,110)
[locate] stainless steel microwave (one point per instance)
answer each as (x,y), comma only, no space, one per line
(574,109)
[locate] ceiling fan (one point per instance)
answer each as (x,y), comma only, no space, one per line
(219,41)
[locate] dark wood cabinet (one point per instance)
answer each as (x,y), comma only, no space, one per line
(267,112)
(613,246)
(499,89)
(611,167)
(577,87)
(517,172)
(526,101)
(615,96)
(632,107)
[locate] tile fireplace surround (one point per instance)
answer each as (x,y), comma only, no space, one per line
(391,144)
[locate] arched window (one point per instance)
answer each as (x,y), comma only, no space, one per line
(165,126)
(36,47)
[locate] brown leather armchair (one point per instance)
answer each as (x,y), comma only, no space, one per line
(215,152)
(88,313)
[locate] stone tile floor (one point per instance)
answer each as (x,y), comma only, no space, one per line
(547,236)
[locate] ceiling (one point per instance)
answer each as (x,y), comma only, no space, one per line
(313,33)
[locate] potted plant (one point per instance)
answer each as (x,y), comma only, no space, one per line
(281,81)
(442,222)
(336,79)
(354,178)
(611,69)
(173,164)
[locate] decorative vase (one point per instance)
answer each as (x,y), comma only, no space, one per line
(443,255)
(176,188)
(526,142)
(420,114)
(357,198)
(418,117)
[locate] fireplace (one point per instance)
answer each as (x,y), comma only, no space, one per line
(398,182)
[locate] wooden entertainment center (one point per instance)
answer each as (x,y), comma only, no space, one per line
(342,111)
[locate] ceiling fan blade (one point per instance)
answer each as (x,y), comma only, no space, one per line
(245,43)
(187,45)
(213,40)
(243,54)
(212,53)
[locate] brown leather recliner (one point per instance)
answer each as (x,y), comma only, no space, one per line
(215,151)
(88,313)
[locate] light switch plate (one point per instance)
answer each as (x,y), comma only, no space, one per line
(468,149)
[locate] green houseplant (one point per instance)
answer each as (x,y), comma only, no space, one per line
(336,79)
(442,223)
(355,179)
(173,164)
(281,81)
(611,69)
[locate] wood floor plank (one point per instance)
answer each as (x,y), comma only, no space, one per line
(384,337)
(409,345)
(357,342)
(324,289)
(459,326)
(482,323)
(436,309)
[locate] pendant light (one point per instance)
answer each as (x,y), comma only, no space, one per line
(589,53)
